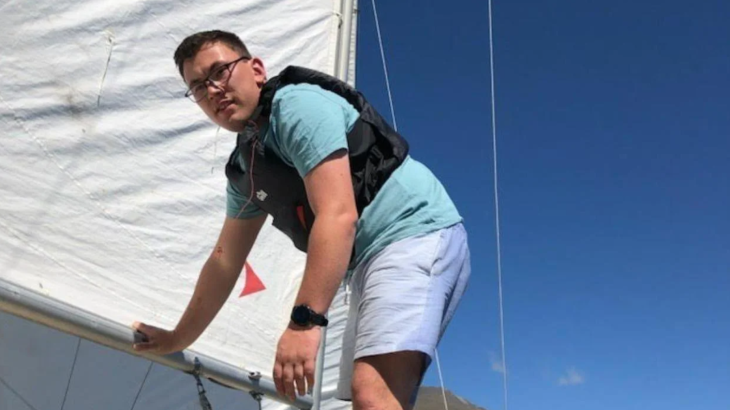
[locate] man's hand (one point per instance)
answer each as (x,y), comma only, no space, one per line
(159,341)
(295,358)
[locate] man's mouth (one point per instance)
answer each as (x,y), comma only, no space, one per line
(223,105)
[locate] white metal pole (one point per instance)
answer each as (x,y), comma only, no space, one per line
(38,308)
(319,372)
(342,65)
(347,15)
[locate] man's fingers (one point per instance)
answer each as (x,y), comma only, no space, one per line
(277,378)
(309,374)
(299,379)
(142,328)
(144,347)
(288,380)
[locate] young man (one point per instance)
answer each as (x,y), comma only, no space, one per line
(339,182)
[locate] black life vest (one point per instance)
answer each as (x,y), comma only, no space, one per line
(375,151)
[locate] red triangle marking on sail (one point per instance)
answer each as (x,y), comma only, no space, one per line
(253,282)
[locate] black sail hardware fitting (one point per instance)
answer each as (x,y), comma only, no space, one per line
(204,402)
(257,395)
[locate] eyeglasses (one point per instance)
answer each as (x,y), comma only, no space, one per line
(217,77)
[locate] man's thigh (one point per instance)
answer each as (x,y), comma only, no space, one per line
(403,299)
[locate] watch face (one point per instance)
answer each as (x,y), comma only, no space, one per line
(300,315)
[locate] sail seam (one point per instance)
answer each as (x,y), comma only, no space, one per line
(89,195)
(45,254)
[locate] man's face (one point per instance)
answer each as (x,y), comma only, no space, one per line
(230,102)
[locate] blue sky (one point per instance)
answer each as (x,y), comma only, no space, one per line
(614,154)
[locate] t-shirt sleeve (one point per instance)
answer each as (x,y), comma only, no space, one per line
(235,202)
(312,124)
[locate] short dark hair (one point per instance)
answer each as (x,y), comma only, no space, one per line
(192,44)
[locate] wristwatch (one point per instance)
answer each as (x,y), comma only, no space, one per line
(303,315)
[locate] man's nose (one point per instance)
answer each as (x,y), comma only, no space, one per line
(213,89)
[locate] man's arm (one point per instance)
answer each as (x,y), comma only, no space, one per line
(331,196)
(312,134)
(215,284)
(330,193)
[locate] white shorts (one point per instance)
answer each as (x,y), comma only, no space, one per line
(404,297)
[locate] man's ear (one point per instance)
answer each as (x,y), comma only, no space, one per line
(259,71)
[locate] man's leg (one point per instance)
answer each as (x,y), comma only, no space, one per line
(402,301)
(387,381)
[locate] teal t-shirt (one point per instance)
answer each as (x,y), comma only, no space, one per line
(306,125)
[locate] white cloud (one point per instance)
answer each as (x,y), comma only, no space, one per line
(496,363)
(571,378)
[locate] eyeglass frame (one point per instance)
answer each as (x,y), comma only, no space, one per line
(207,81)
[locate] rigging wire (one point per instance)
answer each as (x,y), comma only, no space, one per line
(7,385)
(443,391)
(496,188)
(395,127)
(385,66)
(496,207)
(73,366)
(142,385)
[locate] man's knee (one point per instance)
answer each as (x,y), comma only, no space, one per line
(386,381)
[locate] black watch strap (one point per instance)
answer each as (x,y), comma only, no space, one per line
(319,320)
(303,315)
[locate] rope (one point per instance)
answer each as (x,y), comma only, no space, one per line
(496,207)
(142,385)
(73,366)
(443,391)
(250,172)
(385,66)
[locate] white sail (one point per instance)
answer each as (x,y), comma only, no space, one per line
(113,183)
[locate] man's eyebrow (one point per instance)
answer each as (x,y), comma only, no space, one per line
(210,69)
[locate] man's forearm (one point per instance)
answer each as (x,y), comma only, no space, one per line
(218,277)
(328,254)
(211,292)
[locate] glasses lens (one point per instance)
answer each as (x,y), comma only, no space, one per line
(197,93)
(219,75)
